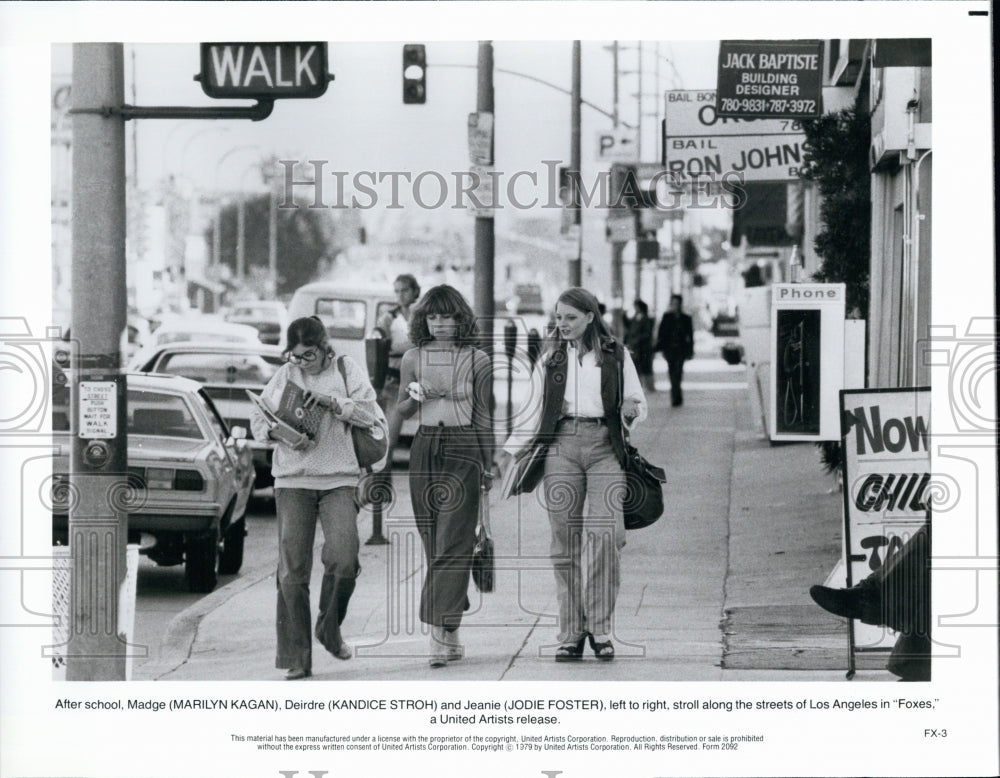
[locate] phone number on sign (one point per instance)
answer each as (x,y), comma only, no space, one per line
(771,105)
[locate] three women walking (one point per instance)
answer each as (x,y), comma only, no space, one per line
(586,396)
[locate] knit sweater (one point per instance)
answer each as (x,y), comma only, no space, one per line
(329,462)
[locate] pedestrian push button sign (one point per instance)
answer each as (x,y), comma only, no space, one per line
(264,71)
(98,409)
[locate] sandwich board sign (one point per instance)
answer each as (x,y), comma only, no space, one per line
(887,485)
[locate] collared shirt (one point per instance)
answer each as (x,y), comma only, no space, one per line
(582,398)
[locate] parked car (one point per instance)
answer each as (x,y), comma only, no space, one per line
(191,472)
(268,317)
(178,328)
(226,371)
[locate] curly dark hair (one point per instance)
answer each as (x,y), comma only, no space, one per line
(448,301)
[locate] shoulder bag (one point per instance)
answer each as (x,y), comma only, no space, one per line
(370,443)
(643,502)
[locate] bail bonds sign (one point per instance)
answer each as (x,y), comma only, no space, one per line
(770,79)
(701,145)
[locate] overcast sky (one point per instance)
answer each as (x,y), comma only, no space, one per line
(362,124)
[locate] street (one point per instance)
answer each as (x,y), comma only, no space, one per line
(717,587)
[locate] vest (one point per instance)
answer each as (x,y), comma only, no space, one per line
(555,392)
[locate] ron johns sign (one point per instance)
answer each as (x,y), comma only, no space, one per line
(264,71)
(770,79)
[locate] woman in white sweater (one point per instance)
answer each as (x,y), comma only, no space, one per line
(316,481)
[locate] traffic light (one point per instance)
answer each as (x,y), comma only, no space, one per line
(414,74)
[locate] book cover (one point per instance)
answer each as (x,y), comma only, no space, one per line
(280,430)
(291,410)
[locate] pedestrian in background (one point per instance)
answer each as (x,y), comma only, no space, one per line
(447,381)
(639,341)
(675,340)
(395,325)
(580,409)
(316,482)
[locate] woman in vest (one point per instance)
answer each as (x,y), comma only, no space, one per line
(590,394)
(447,381)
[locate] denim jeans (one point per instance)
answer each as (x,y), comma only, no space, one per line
(298,511)
(581,467)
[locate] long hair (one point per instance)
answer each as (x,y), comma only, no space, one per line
(597,336)
(307,331)
(447,301)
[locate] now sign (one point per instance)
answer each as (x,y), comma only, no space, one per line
(263,70)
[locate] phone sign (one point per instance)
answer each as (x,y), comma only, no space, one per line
(98,409)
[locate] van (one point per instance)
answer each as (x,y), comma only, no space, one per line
(349,313)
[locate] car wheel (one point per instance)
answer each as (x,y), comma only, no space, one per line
(201,551)
(231,558)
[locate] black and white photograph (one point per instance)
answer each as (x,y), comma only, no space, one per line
(550,388)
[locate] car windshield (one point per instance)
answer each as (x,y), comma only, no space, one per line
(216,368)
(165,415)
(343,318)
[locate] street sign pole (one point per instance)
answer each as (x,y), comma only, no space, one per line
(98,458)
(483,281)
(576,263)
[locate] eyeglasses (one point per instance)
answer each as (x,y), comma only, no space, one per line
(305,357)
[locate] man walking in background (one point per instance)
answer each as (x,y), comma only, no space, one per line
(675,340)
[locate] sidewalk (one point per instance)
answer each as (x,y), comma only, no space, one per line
(716,590)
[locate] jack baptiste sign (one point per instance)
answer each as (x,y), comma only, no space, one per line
(701,145)
(770,79)
(887,482)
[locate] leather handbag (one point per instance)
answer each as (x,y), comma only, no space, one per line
(643,502)
(482,552)
(371,444)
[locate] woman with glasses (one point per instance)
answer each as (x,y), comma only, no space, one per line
(586,394)
(446,380)
(315,481)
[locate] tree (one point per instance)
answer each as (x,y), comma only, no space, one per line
(836,159)
(308,240)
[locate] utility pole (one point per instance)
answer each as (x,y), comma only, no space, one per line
(617,248)
(638,149)
(575,264)
(484,219)
(638,123)
(272,232)
(98,459)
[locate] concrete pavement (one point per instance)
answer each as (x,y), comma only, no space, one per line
(716,590)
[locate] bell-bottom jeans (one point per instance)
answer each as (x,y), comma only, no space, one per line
(580,468)
(298,512)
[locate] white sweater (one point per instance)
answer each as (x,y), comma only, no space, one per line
(330,461)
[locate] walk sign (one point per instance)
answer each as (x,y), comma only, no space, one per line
(264,71)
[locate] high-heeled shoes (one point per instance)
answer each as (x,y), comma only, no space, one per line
(571,652)
(604,651)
